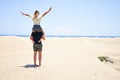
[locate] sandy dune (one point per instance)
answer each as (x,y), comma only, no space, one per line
(63,59)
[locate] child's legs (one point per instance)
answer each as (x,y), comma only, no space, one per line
(43,37)
(38,28)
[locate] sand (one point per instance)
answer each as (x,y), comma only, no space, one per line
(63,59)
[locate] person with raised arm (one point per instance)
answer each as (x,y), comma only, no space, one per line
(37,19)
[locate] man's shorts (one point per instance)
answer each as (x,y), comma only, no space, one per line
(37,47)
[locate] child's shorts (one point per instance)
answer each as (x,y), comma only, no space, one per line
(37,28)
(37,47)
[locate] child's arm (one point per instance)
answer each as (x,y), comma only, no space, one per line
(47,12)
(25,14)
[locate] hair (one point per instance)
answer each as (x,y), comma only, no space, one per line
(36,12)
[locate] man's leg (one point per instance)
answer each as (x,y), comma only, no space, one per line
(34,57)
(40,57)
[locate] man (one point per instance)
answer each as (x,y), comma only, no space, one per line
(36,38)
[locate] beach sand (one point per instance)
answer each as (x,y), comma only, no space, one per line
(63,59)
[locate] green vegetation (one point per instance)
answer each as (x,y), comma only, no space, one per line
(103,58)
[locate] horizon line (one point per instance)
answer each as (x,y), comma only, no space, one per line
(63,35)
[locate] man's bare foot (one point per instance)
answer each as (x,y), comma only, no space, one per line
(35,65)
(39,65)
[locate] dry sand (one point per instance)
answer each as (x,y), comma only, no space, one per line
(63,59)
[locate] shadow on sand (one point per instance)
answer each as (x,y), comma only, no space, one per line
(30,66)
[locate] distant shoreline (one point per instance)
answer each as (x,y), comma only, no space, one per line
(68,36)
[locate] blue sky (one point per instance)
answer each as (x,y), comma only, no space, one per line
(68,17)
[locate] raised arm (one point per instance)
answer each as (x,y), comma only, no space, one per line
(25,14)
(47,12)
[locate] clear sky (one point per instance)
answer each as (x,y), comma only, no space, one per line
(68,17)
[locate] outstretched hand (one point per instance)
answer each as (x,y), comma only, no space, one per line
(50,8)
(25,14)
(47,12)
(22,13)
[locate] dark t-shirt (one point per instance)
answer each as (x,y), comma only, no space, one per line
(36,36)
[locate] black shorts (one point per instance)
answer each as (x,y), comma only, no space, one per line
(37,28)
